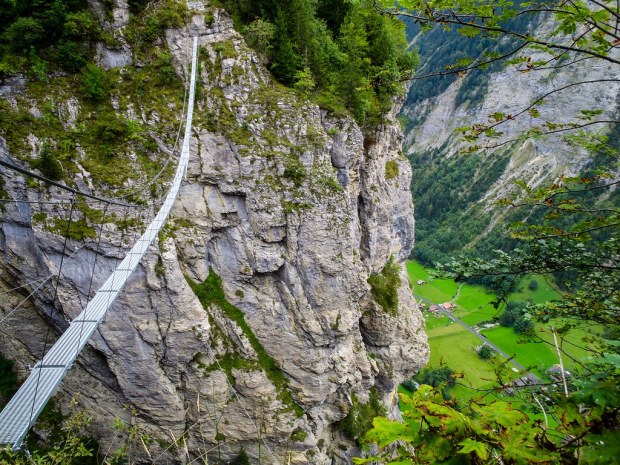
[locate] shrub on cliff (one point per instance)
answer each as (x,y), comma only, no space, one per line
(94,83)
(47,163)
(361,414)
(384,286)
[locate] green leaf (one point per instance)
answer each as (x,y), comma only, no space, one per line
(589,114)
(385,432)
(501,413)
(534,113)
(601,449)
(361,461)
(470,445)
(525,447)
(440,448)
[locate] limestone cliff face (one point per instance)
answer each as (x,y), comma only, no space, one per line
(288,210)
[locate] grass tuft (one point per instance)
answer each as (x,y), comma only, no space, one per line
(211,292)
(391,169)
(384,286)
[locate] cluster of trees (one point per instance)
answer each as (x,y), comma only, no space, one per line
(346,53)
(34,34)
(442,378)
(40,36)
(516,316)
(436,377)
(485,352)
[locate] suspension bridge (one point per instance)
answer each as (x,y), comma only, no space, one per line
(25,406)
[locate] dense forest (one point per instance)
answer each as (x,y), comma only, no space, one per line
(449,216)
(452,219)
(347,55)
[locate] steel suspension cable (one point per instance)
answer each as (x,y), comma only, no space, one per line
(19,169)
(92,273)
(53,304)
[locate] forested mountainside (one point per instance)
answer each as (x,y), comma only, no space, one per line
(273,318)
(347,52)
(456,191)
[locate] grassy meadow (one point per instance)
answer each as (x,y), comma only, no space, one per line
(453,345)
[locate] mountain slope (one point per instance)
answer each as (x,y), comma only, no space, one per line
(455,193)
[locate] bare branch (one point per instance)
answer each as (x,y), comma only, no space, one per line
(576,233)
(470,21)
(542,204)
(614,13)
(465,69)
(557,57)
(555,131)
(540,99)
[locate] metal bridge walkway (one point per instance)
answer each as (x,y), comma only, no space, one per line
(23,409)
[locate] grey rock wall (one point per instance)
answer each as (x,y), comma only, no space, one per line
(291,208)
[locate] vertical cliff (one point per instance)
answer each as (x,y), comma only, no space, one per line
(251,324)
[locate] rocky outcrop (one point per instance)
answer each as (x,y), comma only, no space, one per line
(510,90)
(285,213)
